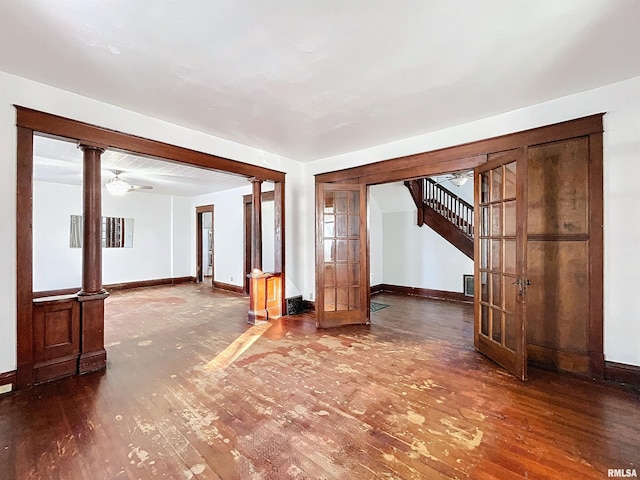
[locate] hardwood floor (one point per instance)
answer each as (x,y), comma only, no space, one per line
(192,391)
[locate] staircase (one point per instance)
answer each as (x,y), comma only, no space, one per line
(444,212)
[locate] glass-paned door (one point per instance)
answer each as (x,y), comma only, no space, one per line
(500,267)
(342,289)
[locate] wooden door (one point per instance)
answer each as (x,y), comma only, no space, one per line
(500,268)
(342,287)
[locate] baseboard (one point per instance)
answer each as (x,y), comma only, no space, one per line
(422,292)
(622,373)
(228,287)
(7,382)
(118,286)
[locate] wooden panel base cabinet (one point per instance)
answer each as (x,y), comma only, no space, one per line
(265,297)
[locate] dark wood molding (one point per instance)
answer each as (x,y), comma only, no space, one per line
(462,156)
(266,197)
(87,133)
(24,258)
(422,292)
(622,373)
(596,255)
(228,287)
(8,378)
(118,286)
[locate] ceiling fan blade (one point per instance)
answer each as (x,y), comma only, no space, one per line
(140,187)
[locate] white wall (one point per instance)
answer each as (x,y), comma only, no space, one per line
(19,91)
(181,233)
(55,264)
(228,234)
(419,257)
(621,102)
(160,241)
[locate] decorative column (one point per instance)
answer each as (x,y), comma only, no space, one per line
(93,356)
(257,279)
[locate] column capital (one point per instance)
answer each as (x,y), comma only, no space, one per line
(255,180)
(84,146)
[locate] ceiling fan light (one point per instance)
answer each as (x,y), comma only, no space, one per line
(117,187)
(460,180)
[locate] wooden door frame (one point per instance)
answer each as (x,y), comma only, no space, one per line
(200,211)
(30,122)
(469,155)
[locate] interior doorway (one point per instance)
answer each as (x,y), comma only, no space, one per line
(560,204)
(204,245)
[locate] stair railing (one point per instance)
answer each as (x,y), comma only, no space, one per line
(449,205)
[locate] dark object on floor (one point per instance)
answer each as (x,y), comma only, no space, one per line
(375,306)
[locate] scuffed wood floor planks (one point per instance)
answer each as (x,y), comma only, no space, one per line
(193,392)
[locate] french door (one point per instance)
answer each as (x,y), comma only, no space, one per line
(501,261)
(342,287)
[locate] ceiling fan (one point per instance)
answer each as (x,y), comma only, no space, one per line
(117,186)
(457,178)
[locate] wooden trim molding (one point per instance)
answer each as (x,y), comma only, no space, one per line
(118,286)
(93,134)
(462,156)
(422,292)
(229,287)
(622,373)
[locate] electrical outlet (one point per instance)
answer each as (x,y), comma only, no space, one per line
(5,388)
(232,279)
(311,296)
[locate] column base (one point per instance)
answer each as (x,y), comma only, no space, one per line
(92,361)
(257,317)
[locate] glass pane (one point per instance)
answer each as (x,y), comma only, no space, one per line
(329,226)
(484,187)
(341,202)
(354,298)
(343,298)
(354,225)
(484,320)
(510,180)
(496,290)
(496,332)
(484,221)
(484,253)
(329,275)
(484,287)
(329,203)
(496,254)
(496,219)
(341,250)
(354,202)
(510,292)
(330,299)
(341,225)
(510,256)
(329,251)
(354,250)
(353,272)
(510,332)
(341,275)
(496,184)
(510,218)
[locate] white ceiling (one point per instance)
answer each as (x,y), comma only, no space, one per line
(314,78)
(60,161)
